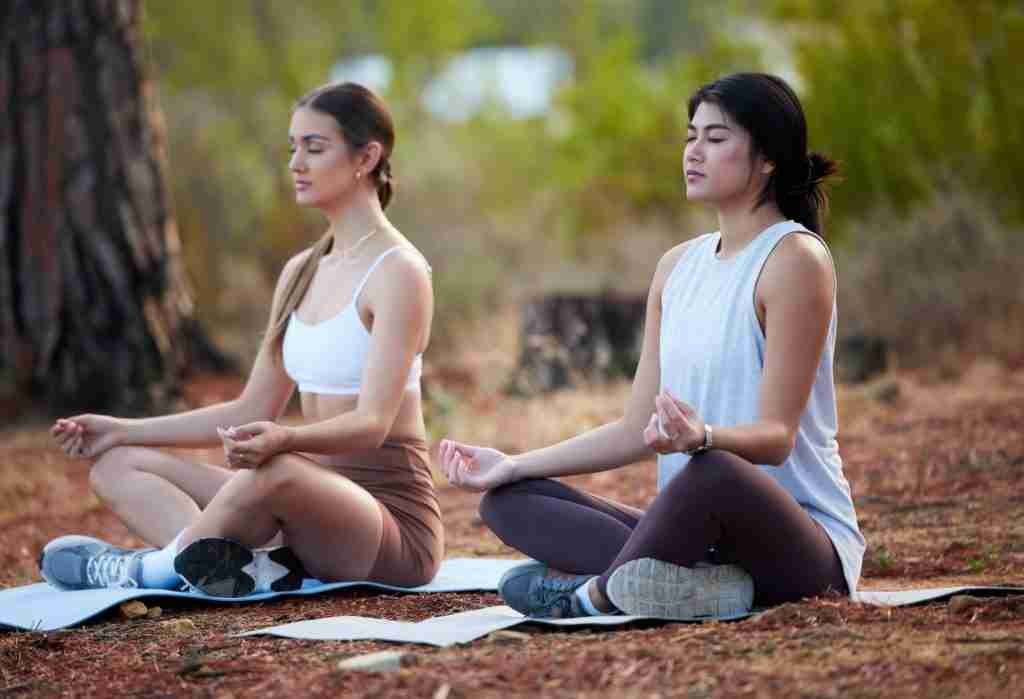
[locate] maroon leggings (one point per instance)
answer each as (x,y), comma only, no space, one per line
(721,509)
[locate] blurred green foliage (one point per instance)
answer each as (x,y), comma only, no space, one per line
(917,98)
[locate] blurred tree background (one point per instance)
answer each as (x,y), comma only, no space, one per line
(921,100)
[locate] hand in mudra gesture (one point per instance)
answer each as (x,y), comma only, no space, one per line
(674,426)
(249,446)
(86,436)
(474,468)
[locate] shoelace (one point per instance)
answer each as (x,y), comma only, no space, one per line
(110,570)
(556,593)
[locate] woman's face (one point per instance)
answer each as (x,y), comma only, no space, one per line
(717,163)
(322,164)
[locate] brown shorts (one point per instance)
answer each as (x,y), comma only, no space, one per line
(399,478)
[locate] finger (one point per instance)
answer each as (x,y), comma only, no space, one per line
(456,474)
(68,440)
(245,432)
(650,436)
(63,439)
(467,449)
(675,412)
(667,427)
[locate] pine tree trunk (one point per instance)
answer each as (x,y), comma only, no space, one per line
(95,311)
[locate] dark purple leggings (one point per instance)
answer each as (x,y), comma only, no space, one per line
(721,509)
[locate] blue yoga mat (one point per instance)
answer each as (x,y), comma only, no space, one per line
(41,607)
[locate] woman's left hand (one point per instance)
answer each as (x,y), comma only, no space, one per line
(674,426)
(249,446)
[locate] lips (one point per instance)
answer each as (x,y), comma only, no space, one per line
(302,185)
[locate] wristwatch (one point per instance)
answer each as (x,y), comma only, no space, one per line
(707,442)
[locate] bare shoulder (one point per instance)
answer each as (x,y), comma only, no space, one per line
(799,260)
(410,266)
(406,273)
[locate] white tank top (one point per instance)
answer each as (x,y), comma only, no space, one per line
(712,357)
(329,356)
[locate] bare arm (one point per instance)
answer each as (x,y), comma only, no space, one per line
(794,300)
(265,395)
(620,442)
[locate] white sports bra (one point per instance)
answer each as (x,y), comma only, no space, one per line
(329,357)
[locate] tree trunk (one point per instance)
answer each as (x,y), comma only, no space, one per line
(95,311)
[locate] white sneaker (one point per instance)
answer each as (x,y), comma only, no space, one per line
(648,587)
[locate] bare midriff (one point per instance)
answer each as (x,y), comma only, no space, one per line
(408,424)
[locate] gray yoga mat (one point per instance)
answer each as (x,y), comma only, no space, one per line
(903,598)
(41,607)
(469,626)
(440,631)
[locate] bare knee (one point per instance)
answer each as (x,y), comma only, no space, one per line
(110,470)
(274,478)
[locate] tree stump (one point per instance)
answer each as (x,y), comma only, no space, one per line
(567,337)
(95,310)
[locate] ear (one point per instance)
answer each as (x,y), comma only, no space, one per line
(370,156)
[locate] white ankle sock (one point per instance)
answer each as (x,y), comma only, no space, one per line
(583,595)
(158,567)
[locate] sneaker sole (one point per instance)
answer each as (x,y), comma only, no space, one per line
(223,568)
(648,587)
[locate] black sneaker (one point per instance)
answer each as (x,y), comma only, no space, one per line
(226,568)
(83,563)
(528,590)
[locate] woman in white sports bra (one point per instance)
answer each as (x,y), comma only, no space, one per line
(346,495)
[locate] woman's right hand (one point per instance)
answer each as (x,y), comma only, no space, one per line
(87,436)
(475,468)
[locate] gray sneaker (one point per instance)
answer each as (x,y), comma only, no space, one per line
(648,587)
(83,563)
(527,589)
(226,568)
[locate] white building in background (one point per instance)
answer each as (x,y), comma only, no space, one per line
(520,80)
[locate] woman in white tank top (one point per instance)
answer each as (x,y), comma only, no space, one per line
(349,491)
(734,392)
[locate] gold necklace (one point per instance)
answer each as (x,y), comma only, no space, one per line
(345,255)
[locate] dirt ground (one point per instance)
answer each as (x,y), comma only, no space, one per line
(935,465)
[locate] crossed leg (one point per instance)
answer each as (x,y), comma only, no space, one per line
(334,526)
(155,493)
(720,501)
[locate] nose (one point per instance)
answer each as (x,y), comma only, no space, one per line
(693,153)
(297,163)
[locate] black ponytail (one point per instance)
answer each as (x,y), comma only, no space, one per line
(771,113)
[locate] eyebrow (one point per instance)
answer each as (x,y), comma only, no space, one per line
(709,127)
(310,137)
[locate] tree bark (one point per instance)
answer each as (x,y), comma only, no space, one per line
(95,310)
